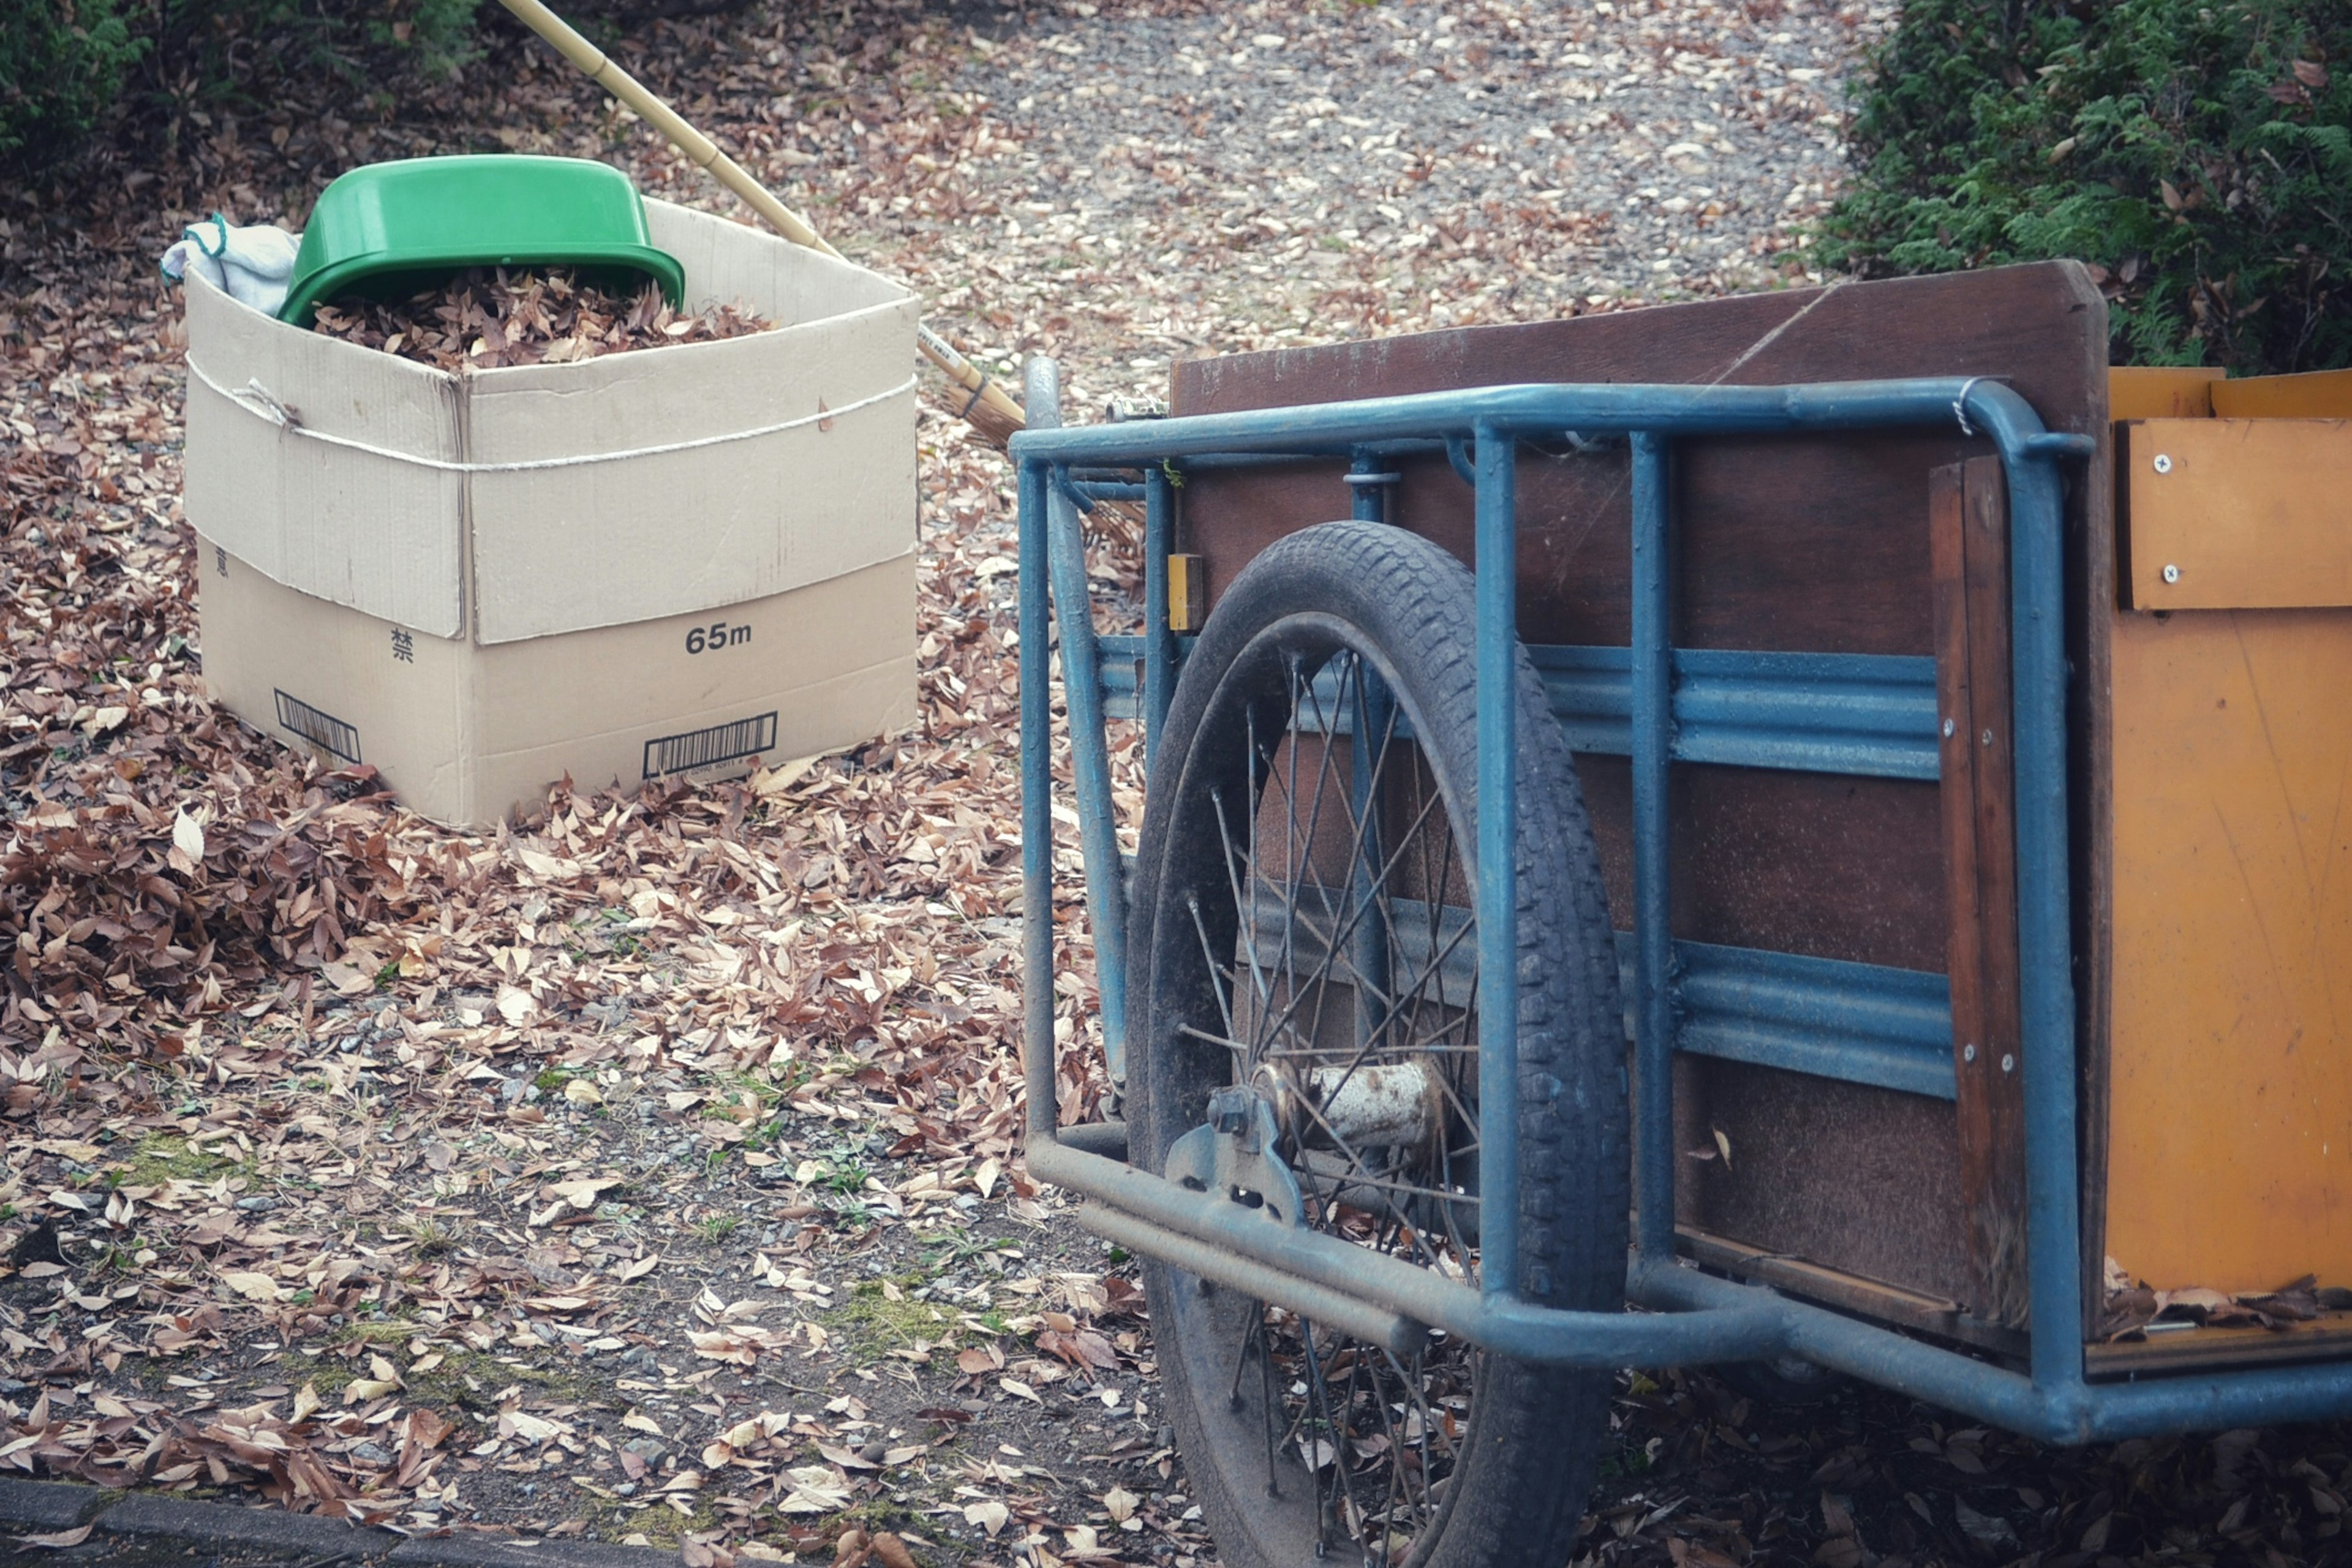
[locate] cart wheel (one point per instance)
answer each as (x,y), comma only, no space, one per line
(1346,1004)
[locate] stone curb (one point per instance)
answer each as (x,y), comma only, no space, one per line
(40,1508)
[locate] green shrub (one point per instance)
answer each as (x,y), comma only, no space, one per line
(65,63)
(2197,152)
(233,46)
(61,64)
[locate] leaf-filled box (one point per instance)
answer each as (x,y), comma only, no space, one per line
(678,561)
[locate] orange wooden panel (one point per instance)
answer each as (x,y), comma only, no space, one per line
(2169,393)
(2319,395)
(2236,514)
(2230,1107)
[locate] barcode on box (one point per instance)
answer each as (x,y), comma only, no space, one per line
(322,730)
(707,748)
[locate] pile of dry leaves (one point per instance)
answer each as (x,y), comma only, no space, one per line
(488,317)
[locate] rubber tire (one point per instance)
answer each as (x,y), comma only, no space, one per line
(1530,1456)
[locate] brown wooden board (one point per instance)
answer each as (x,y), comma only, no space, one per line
(1969,533)
(1941,1316)
(1812,545)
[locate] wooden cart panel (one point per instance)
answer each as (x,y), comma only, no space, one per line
(1806,545)
(2230,1098)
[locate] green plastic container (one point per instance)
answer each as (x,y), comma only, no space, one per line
(392,229)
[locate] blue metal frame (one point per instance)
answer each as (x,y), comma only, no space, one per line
(1778,710)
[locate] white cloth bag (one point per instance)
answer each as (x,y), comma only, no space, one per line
(253,265)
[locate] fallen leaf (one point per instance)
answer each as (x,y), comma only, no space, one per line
(531,1428)
(253,1286)
(847,1458)
(1987,1528)
(582,1194)
(58,1539)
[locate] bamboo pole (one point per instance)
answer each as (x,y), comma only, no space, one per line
(990,410)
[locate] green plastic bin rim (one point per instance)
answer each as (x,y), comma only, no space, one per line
(512,209)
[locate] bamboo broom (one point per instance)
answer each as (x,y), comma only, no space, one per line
(990,410)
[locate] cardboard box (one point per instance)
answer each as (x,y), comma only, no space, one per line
(481,583)
(469,733)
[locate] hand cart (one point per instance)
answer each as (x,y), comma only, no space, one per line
(1398,1171)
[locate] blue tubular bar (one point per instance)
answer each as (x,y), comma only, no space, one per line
(1753,1326)
(1329,429)
(1082,689)
(1862,1023)
(1870,714)
(1121,674)
(1037,1055)
(2044,910)
(1158,642)
(1867,715)
(1654,956)
(1497,892)
(1818,712)
(1367,502)
(1701,1317)
(2061,1413)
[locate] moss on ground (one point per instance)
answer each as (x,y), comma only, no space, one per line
(661,1524)
(161,1157)
(870,1325)
(379,1331)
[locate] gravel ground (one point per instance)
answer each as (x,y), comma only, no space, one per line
(1274,171)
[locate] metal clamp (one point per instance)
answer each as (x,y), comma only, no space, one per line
(1234,1156)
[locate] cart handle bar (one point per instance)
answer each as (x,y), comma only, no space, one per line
(1975,404)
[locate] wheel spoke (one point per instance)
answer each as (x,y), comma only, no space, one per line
(1407,1203)
(1346,930)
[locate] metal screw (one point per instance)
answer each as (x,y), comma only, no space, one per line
(1987,737)
(2172,573)
(2163,463)
(1968,1053)
(1947,728)
(2008,1062)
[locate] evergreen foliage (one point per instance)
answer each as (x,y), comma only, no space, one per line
(2197,152)
(61,65)
(66,64)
